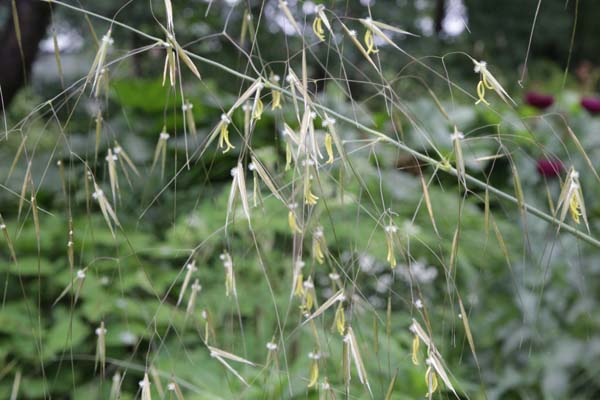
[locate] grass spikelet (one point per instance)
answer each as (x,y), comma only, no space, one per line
(9,242)
(196,288)
(224,142)
(319,245)
(17,157)
(428,203)
(230,288)
(190,268)
(288,15)
(292,221)
(209,331)
(145,386)
(415,350)
(14,393)
(272,358)
(582,152)
(275,94)
(571,199)
(308,301)
(457,138)
(258,106)
(112,175)
(309,197)
(170,66)
(317,26)
(297,279)
(390,236)
(314,368)
(26,182)
(124,160)
(340,319)
(160,152)
(169,13)
(222,355)
(189,118)
(173,387)
(99,62)
(265,177)
(98,133)
(17,26)
(255,189)
(465,319)
(352,35)
(431,382)
(487,80)
(100,360)
(78,281)
(115,388)
(182,55)
(352,344)
(336,297)
(107,211)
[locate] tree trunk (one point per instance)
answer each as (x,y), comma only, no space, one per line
(34,17)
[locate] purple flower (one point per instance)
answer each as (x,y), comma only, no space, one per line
(592,104)
(539,100)
(549,168)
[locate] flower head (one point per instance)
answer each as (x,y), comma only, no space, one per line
(591,104)
(539,100)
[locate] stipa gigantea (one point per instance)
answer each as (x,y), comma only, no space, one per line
(100,348)
(427,200)
(457,138)
(112,175)
(115,389)
(272,355)
(190,269)
(24,186)
(327,392)
(258,106)
(308,301)
(182,55)
(329,124)
(571,199)
(98,132)
(430,380)
(390,237)
(352,351)
(102,84)
(255,189)
(275,93)
(107,211)
(160,152)
(340,319)
(262,172)
(124,160)
(339,296)
(298,279)
(8,240)
(224,142)
(238,185)
(376,27)
(156,381)
(170,67)
(487,80)
(145,386)
(314,368)
(77,283)
(283,6)
(189,117)
(352,35)
(196,288)
(222,356)
(208,326)
(390,391)
(230,288)
(433,360)
(292,220)
(169,13)
(318,23)
(173,387)
(309,197)
(319,245)
(334,277)
(17,156)
(465,319)
(99,61)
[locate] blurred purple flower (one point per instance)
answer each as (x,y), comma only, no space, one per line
(539,100)
(549,168)
(592,104)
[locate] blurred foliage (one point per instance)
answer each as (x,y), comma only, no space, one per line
(530,292)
